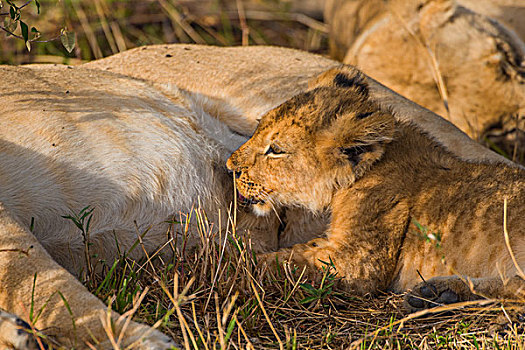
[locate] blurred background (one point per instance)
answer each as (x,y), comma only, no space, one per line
(105,27)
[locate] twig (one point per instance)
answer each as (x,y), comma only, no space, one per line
(11,33)
(242,20)
(297,17)
(179,20)
(117,34)
(443,308)
(507,240)
(249,344)
(84,22)
(281,347)
(31,40)
(15,250)
(18,8)
(436,72)
(105,26)
(197,326)
(24,5)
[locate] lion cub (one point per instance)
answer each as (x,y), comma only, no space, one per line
(401,204)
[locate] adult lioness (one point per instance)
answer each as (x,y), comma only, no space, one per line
(458,63)
(74,137)
(348,19)
(389,187)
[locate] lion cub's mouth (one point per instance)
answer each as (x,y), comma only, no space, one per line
(247,201)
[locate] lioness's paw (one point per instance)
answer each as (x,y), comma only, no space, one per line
(15,333)
(438,291)
(144,338)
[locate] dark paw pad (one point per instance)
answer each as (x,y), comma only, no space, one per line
(448,297)
(428,296)
(428,291)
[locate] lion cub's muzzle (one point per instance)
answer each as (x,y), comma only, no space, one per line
(247,201)
(248,192)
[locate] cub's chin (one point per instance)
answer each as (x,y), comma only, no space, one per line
(261,208)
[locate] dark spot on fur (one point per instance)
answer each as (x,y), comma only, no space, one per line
(356,81)
(354,153)
(364,115)
(23,324)
(168,55)
(342,80)
(280,230)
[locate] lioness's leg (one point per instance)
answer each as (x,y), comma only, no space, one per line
(21,259)
(15,333)
(452,289)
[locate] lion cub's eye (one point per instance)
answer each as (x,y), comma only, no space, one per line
(273,149)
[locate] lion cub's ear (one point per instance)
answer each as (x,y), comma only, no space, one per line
(356,135)
(351,144)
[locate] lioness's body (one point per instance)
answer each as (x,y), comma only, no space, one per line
(440,55)
(347,19)
(400,203)
(240,84)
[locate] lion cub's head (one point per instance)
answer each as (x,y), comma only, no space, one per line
(313,144)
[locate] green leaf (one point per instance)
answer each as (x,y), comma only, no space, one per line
(229,330)
(12,12)
(36,33)
(68,40)
(25,31)
(37,6)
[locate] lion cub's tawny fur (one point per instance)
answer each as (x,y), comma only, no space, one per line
(400,202)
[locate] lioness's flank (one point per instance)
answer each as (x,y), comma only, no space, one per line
(400,202)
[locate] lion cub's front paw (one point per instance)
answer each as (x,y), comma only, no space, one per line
(15,333)
(275,258)
(438,291)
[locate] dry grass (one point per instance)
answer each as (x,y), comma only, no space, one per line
(105,27)
(216,296)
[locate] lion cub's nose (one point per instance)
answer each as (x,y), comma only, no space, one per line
(231,170)
(237,173)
